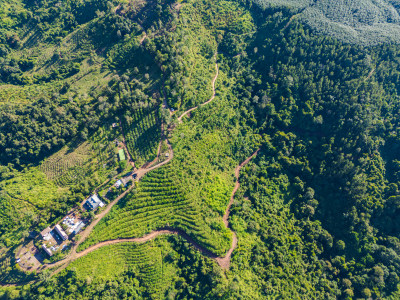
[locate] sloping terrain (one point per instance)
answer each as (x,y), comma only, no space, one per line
(261,144)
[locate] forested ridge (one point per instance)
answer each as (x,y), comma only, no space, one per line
(317,212)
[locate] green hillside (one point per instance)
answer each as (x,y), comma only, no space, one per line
(273,124)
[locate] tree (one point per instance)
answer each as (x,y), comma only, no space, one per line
(45,276)
(122,165)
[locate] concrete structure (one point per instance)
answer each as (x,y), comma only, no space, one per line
(78,228)
(47,250)
(118,183)
(61,232)
(94,202)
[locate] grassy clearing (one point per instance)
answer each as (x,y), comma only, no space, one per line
(33,187)
(14,94)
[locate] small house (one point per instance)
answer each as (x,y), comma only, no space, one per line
(118,183)
(121,154)
(61,232)
(94,202)
(114,125)
(78,228)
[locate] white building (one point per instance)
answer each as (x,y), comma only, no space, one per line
(46,234)
(61,232)
(79,227)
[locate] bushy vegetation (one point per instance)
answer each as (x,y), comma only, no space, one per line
(186,54)
(317,213)
(326,116)
(142,132)
(58,164)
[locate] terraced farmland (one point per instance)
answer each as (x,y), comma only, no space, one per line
(60,163)
(142,133)
(145,259)
(157,202)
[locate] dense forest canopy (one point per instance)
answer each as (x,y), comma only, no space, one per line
(365,22)
(313,85)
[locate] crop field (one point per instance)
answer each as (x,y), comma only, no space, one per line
(61,162)
(145,259)
(75,163)
(104,147)
(143,135)
(155,203)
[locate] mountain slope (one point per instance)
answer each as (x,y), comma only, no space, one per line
(316,213)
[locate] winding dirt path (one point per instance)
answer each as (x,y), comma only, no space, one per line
(223,262)
(148,237)
(74,254)
(208,101)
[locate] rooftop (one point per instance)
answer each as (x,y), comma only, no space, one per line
(93,202)
(45,232)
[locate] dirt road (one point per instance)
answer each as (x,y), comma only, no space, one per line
(223,262)
(73,255)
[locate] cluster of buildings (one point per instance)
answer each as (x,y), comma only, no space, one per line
(56,236)
(48,234)
(74,225)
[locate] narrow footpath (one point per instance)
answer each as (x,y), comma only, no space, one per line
(208,101)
